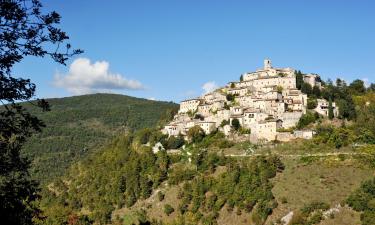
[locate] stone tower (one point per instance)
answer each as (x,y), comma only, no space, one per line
(267,64)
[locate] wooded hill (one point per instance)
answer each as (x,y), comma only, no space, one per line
(79,125)
(217,181)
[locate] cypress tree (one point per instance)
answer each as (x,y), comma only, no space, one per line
(330,109)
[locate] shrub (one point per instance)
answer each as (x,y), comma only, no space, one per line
(230,97)
(236,124)
(224,122)
(196,134)
(175,142)
(168,209)
(307,119)
(225,144)
(312,103)
(161,196)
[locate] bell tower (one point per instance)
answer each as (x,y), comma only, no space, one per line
(267,64)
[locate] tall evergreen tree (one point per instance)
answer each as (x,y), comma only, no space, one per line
(299,79)
(330,109)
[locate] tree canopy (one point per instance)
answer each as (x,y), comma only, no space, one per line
(24,31)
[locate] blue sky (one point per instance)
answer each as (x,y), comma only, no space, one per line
(170,49)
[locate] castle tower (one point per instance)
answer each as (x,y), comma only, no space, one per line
(267,64)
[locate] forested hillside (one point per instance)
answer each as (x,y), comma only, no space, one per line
(78,125)
(213,180)
(126,171)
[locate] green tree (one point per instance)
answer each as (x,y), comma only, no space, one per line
(230,97)
(24,31)
(175,142)
(330,109)
(357,87)
(316,91)
(371,87)
(299,79)
(241,78)
(196,134)
(236,124)
(306,88)
(307,119)
(312,103)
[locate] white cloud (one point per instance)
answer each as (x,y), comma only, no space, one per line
(209,86)
(152,98)
(85,77)
(367,82)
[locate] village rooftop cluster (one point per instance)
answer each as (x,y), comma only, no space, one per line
(263,103)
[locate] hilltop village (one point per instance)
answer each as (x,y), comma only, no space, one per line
(264,104)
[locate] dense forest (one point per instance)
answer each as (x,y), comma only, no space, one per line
(77,126)
(126,171)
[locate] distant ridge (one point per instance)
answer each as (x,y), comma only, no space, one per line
(77,125)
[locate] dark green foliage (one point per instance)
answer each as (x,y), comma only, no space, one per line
(306,88)
(343,98)
(175,142)
(116,176)
(168,209)
(195,134)
(76,126)
(226,106)
(357,87)
(299,79)
(161,196)
(26,29)
(310,214)
(245,186)
(224,122)
(330,110)
(365,124)
(215,139)
(312,103)
(307,119)
(336,137)
(230,97)
(316,92)
(236,124)
(143,135)
(363,200)
(313,206)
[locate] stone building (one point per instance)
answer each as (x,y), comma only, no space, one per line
(323,107)
(264,101)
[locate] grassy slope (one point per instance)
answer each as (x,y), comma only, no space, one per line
(329,179)
(78,125)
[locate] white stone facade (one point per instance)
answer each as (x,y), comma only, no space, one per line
(323,107)
(264,101)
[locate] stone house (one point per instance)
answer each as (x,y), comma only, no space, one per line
(323,107)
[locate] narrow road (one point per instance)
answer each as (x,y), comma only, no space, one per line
(301,155)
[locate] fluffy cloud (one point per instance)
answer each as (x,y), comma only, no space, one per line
(209,86)
(85,77)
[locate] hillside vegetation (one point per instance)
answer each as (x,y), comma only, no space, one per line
(126,172)
(78,125)
(209,179)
